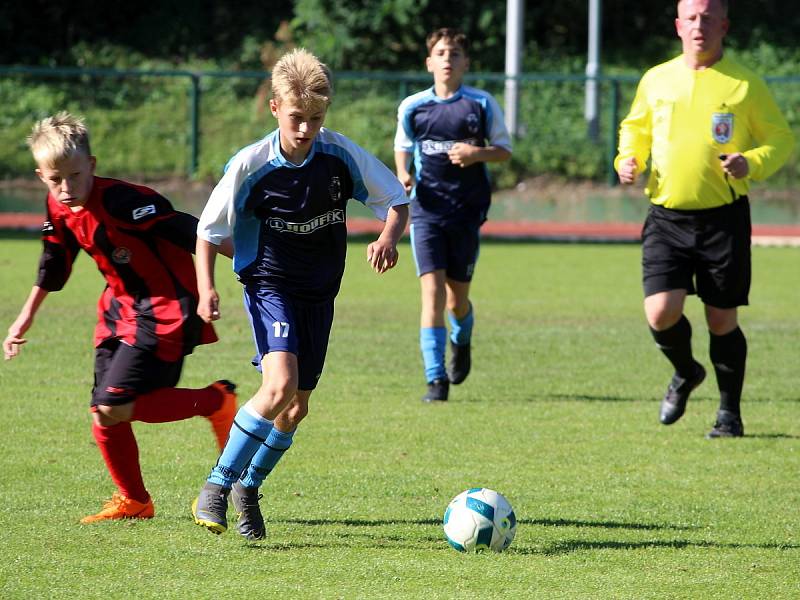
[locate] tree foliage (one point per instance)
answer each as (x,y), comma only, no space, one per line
(363,34)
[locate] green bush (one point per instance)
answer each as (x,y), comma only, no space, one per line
(141,125)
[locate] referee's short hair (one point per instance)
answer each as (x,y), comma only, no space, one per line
(723,3)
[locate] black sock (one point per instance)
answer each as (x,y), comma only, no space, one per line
(728,354)
(676,344)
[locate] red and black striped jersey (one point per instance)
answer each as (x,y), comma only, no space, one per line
(143,248)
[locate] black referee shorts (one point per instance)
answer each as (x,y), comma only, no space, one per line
(122,372)
(706,252)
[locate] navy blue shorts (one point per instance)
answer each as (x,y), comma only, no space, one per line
(701,251)
(122,372)
(284,324)
(453,247)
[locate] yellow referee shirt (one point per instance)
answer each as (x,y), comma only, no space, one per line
(685,118)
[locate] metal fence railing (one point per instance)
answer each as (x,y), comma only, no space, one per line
(187,123)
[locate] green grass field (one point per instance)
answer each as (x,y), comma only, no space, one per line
(560,415)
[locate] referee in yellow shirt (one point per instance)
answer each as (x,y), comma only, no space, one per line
(709,126)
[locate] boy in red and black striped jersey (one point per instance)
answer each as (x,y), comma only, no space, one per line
(147,319)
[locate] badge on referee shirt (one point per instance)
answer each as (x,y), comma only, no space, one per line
(722,127)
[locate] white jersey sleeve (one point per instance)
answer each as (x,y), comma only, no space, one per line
(218,218)
(402,137)
(219,215)
(498,132)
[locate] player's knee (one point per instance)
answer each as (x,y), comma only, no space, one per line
(662,315)
(296,412)
(276,392)
(721,323)
(108,415)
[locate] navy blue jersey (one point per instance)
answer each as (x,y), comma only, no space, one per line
(428,126)
(287,221)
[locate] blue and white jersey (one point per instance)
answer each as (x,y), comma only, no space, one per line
(287,221)
(427,127)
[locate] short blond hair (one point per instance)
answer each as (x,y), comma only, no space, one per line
(58,137)
(301,77)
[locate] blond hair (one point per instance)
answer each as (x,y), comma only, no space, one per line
(58,137)
(299,76)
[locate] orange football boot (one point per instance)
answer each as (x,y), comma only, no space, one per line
(120,507)
(222,419)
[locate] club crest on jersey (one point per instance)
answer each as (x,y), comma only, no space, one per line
(335,189)
(722,127)
(121,255)
(143,211)
(472,123)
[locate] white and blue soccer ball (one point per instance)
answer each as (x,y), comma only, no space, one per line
(479,519)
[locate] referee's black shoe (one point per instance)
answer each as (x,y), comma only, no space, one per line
(437,391)
(728,424)
(674,402)
(460,362)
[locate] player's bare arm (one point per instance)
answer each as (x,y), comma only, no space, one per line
(402,162)
(208,302)
(382,254)
(23,322)
(464,155)
(226,248)
(628,171)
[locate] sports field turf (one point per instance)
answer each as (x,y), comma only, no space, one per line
(560,415)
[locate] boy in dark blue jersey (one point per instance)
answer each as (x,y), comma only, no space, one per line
(450,130)
(283,200)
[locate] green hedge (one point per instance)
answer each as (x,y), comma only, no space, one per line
(141,126)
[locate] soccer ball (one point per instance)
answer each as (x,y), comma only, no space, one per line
(479,519)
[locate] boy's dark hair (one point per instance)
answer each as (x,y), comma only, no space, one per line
(456,36)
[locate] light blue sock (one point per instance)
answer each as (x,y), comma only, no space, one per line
(461,330)
(266,457)
(249,431)
(432,342)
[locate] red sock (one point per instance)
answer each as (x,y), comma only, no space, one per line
(165,405)
(118,446)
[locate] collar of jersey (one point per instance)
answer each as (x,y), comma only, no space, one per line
(456,95)
(282,161)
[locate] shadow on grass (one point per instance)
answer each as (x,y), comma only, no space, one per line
(360,522)
(426,541)
(568,546)
(772,436)
(553,398)
(587,398)
(437,522)
(602,524)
